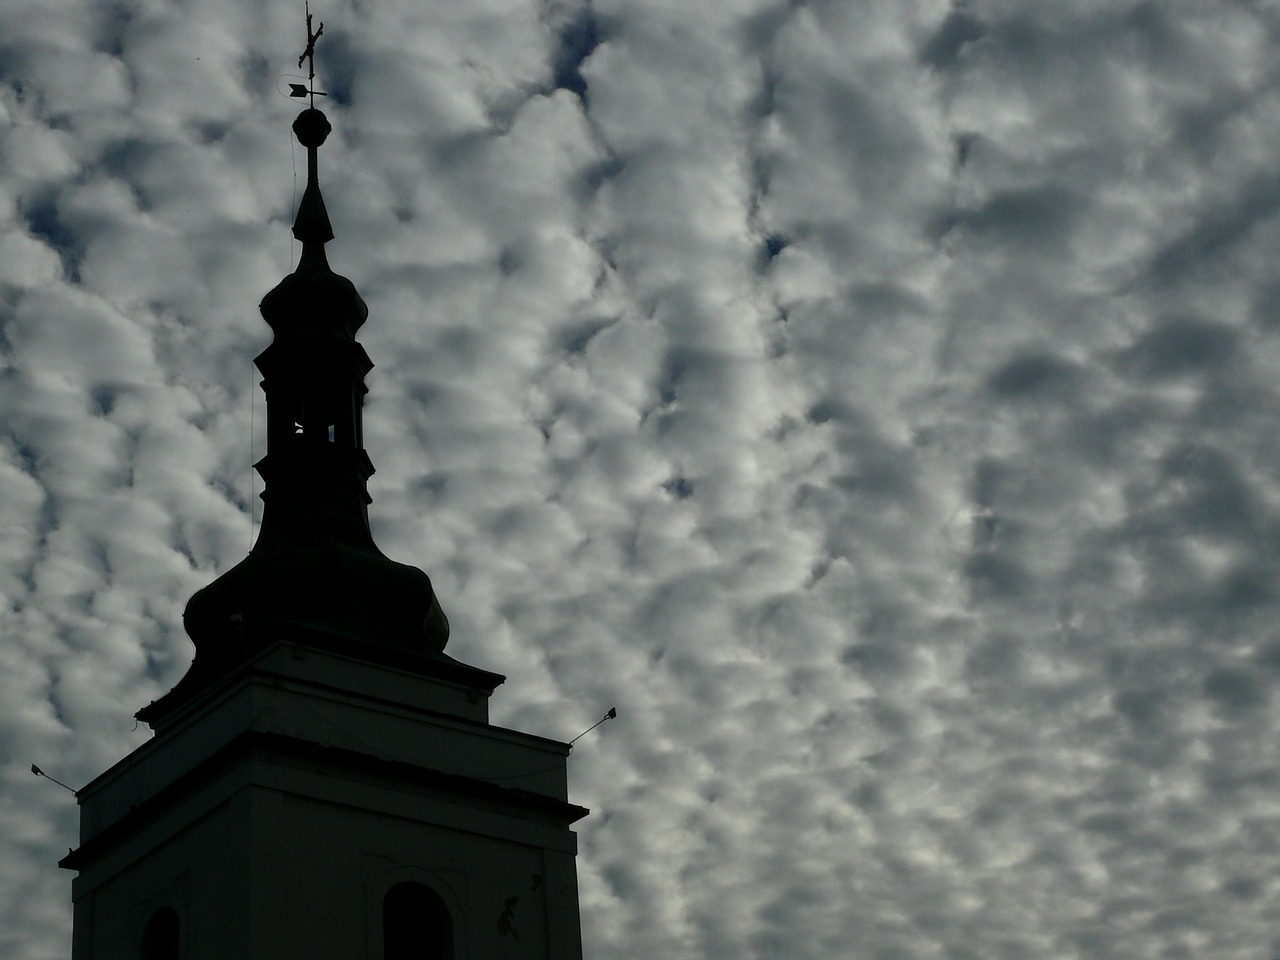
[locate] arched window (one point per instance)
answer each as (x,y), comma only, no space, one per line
(415,924)
(160,938)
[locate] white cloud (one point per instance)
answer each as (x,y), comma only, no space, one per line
(874,401)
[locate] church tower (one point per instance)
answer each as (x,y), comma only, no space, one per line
(325,781)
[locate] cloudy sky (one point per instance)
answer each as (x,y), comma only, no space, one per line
(875,400)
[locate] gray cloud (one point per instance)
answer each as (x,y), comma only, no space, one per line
(875,403)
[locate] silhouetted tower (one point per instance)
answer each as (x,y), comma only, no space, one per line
(324,781)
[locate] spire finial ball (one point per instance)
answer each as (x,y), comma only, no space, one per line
(311,128)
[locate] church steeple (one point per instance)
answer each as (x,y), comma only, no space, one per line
(315,569)
(325,780)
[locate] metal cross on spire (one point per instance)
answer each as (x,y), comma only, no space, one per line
(297,89)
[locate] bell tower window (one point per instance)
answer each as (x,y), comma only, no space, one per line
(160,938)
(415,924)
(317,416)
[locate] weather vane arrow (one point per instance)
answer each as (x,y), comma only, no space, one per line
(309,54)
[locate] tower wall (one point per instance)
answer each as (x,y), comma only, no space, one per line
(275,813)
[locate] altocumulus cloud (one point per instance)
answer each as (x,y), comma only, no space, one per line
(875,401)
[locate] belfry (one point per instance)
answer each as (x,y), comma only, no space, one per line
(324,781)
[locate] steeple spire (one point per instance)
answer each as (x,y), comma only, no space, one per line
(315,575)
(312,128)
(311,225)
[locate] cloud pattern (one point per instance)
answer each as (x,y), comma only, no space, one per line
(875,401)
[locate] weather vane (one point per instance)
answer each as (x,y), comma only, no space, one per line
(297,89)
